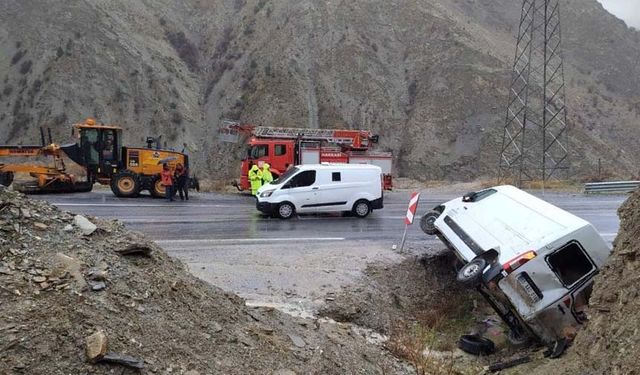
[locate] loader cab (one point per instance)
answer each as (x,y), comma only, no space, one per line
(100,148)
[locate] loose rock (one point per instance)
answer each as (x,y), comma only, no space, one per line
(84,224)
(96,346)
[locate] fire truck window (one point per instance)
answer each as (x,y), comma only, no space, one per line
(306,178)
(570,264)
(335,176)
(259,151)
(280,150)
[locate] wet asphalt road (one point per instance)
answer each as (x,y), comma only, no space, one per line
(290,264)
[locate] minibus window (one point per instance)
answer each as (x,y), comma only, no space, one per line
(335,176)
(570,264)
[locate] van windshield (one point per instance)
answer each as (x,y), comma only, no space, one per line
(285,176)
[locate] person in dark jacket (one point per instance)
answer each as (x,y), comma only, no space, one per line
(182,181)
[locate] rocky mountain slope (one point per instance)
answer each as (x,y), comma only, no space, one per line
(430,76)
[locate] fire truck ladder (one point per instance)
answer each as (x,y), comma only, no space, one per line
(305,134)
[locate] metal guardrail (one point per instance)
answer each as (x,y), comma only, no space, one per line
(611,187)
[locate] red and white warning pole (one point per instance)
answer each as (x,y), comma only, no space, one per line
(411,214)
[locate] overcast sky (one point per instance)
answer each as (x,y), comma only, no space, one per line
(627,10)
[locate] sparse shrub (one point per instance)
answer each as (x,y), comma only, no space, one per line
(69,47)
(412,90)
(37,85)
(17,107)
(18,44)
(223,43)
(7,90)
(119,95)
(20,121)
(186,50)
(59,52)
(173,105)
(248,28)
(244,84)
(238,4)
(259,6)
(176,118)
(163,22)
(17,57)
(59,119)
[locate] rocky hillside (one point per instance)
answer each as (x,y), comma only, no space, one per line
(429,76)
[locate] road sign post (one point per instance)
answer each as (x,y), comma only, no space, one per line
(411,214)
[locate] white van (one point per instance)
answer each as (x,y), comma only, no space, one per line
(311,188)
(532,261)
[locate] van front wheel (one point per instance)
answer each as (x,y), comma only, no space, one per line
(361,208)
(471,273)
(427,222)
(285,210)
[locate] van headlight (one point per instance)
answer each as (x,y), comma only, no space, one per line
(267,193)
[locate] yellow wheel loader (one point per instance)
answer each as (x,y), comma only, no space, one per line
(99,150)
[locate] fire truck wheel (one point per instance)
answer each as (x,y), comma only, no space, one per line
(286,210)
(361,208)
(125,184)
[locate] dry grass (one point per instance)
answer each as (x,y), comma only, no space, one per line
(428,342)
(413,346)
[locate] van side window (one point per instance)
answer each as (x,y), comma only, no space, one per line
(335,176)
(570,263)
(280,150)
(306,178)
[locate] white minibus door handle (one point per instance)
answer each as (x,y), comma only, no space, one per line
(315,188)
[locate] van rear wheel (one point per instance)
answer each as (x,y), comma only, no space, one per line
(286,210)
(361,208)
(471,273)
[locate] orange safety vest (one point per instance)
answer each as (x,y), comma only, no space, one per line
(166,178)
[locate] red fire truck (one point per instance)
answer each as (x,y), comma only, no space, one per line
(283,147)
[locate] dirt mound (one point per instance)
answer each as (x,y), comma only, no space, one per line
(416,288)
(62,280)
(610,343)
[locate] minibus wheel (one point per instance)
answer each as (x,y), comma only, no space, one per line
(471,273)
(286,210)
